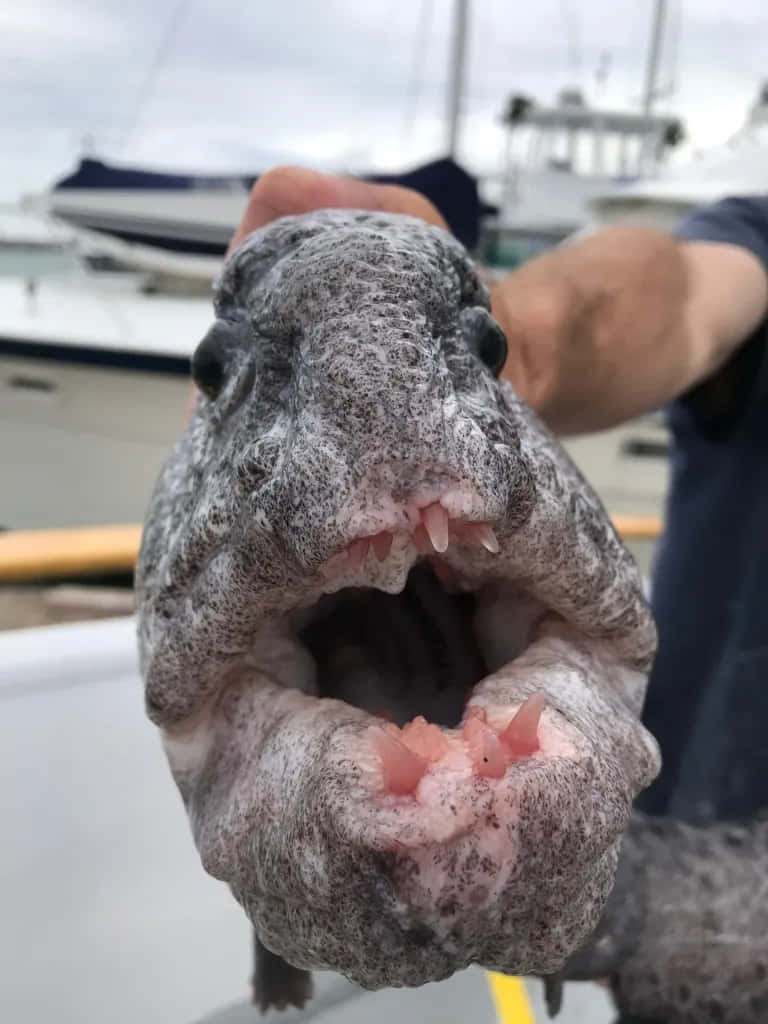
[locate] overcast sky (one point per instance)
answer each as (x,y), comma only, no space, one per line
(243,84)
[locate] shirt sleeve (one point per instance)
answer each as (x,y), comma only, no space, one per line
(720,403)
(737,220)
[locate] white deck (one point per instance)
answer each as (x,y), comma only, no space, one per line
(107,915)
(103,315)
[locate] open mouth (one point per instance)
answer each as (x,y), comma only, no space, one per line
(415,658)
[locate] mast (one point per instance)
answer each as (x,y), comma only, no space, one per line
(456,75)
(650,91)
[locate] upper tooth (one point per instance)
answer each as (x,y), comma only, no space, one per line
(487,538)
(435,520)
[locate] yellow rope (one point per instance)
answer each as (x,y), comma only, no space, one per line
(77,550)
(510,998)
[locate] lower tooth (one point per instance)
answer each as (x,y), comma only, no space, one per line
(485,749)
(521,736)
(401,768)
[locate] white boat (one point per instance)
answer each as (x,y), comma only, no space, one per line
(737,167)
(557,158)
(95,381)
(176,227)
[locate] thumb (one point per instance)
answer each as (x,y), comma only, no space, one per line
(293,190)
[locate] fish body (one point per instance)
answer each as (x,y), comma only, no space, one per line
(684,937)
(395,648)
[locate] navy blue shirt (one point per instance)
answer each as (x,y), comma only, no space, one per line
(707,700)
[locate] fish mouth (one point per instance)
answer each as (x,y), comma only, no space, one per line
(396,814)
(413,618)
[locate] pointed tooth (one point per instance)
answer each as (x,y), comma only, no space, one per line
(358,550)
(401,768)
(424,738)
(486,752)
(521,736)
(381,544)
(487,538)
(482,534)
(435,520)
(421,541)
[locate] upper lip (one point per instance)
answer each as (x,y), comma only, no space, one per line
(430,528)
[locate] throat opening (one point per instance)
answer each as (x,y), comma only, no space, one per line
(419,652)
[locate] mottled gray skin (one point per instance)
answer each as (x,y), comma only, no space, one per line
(684,937)
(351,390)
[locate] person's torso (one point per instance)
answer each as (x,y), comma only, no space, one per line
(707,702)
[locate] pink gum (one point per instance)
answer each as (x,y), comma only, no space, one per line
(406,753)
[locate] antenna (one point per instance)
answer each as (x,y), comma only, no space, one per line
(155,66)
(650,92)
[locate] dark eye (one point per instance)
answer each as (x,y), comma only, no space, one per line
(209,362)
(492,347)
(486,339)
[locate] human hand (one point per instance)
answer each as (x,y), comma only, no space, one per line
(292,190)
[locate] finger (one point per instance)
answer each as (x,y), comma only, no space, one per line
(294,190)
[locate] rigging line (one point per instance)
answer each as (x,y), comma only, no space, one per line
(413,93)
(673,37)
(161,55)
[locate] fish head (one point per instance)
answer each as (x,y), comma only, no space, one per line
(395,647)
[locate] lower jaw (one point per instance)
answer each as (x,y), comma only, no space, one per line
(289,806)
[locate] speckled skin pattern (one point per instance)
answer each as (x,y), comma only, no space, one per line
(351,390)
(684,938)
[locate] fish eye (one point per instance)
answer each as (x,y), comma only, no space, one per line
(492,347)
(209,363)
(486,339)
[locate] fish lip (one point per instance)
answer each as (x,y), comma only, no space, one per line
(391,845)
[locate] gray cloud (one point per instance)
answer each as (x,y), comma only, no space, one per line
(342,83)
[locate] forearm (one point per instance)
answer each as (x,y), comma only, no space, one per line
(620,323)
